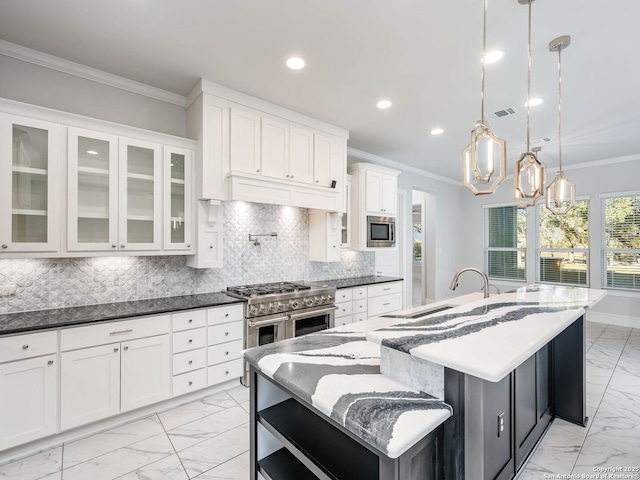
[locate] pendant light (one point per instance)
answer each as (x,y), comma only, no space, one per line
(561,193)
(485,152)
(529,172)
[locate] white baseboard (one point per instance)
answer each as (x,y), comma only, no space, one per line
(613,319)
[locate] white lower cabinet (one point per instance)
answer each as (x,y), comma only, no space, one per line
(28,400)
(90,385)
(224,340)
(384,298)
(189,351)
(351,305)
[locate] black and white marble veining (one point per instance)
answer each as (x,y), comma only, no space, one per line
(339,376)
(60,317)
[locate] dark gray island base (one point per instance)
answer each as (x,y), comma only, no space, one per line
(291,441)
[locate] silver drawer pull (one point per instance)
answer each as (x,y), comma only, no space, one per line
(50,362)
(25,347)
(226,353)
(385,304)
(226,372)
(121,332)
(226,314)
(190,320)
(385,289)
(190,362)
(115,349)
(190,340)
(190,383)
(126,348)
(226,333)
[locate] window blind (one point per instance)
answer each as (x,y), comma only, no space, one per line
(563,245)
(621,242)
(505,242)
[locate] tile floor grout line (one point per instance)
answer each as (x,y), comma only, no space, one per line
(599,403)
(220,464)
(175,450)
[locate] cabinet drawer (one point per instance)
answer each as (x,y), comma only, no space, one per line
(229,313)
(189,382)
(384,289)
(224,371)
(27,346)
(360,293)
(189,319)
(224,352)
(343,320)
(344,309)
(360,306)
(344,295)
(189,340)
(385,304)
(103,333)
(224,333)
(188,361)
(360,317)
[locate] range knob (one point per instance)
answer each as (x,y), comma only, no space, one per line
(323,298)
(263,308)
(294,304)
(282,306)
(309,302)
(330,297)
(273,307)
(253,310)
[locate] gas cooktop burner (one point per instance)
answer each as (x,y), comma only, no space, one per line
(252,291)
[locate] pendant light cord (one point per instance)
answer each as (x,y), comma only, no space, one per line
(529,76)
(484,54)
(560,109)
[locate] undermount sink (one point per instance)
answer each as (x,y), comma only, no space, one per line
(423,312)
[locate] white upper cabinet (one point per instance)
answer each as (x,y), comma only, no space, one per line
(30,204)
(245,140)
(92,215)
(275,148)
(140,201)
(301,158)
(178,199)
(381,193)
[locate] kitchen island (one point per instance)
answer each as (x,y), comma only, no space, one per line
(499,370)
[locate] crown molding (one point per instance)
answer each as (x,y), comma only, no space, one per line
(71,68)
(606,161)
(370,157)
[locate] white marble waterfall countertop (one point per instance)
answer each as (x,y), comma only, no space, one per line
(338,374)
(488,338)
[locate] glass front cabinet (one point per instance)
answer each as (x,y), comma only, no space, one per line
(29,185)
(178,165)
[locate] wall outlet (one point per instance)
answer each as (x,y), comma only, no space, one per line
(6,290)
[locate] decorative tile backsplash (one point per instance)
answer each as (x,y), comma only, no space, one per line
(65,282)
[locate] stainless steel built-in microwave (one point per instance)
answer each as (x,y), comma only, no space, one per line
(381,231)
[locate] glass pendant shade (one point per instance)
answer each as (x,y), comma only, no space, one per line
(485,161)
(561,195)
(529,180)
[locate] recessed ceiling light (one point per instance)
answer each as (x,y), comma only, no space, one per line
(382,104)
(437,131)
(533,102)
(295,63)
(92,152)
(493,56)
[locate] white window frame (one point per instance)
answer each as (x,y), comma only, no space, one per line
(604,250)
(487,249)
(539,249)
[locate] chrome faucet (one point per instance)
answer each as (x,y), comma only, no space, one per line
(485,279)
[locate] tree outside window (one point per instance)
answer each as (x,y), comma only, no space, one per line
(621,242)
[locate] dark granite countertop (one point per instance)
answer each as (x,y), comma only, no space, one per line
(358,281)
(22,322)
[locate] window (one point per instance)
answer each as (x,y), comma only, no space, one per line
(621,242)
(563,245)
(506,242)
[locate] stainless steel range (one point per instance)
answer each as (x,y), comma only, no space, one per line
(276,311)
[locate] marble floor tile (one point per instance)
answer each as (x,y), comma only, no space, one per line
(35,467)
(245,406)
(603,356)
(169,468)
(240,393)
(612,429)
(597,454)
(124,460)
(620,403)
(212,452)
(235,469)
(194,410)
(532,471)
(105,442)
(560,447)
(615,331)
(597,373)
(595,393)
(206,427)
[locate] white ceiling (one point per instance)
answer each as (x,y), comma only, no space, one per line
(423,55)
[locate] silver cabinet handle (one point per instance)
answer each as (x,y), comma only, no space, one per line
(190,340)
(50,362)
(126,348)
(226,314)
(385,304)
(287,176)
(115,349)
(258,170)
(226,372)
(119,332)
(210,246)
(188,245)
(190,383)
(226,353)
(385,289)
(122,246)
(25,347)
(190,362)
(190,320)
(226,333)
(4,245)
(113,245)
